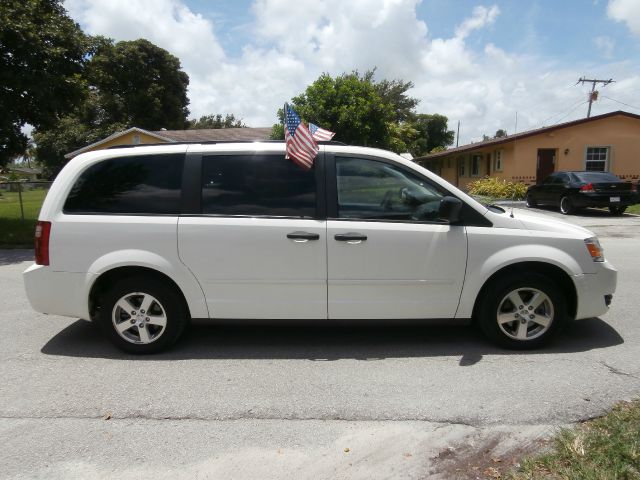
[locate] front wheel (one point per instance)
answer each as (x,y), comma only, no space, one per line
(522,311)
(566,206)
(142,315)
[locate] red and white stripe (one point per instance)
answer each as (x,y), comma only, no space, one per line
(301,147)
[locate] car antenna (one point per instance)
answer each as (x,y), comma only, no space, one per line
(511,214)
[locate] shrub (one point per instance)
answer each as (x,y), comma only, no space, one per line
(497,188)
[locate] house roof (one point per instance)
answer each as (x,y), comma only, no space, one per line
(196,135)
(528,133)
(217,134)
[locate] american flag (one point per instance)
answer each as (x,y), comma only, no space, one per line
(320,134)
(301,147)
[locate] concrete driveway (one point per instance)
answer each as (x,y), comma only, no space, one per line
(231,402)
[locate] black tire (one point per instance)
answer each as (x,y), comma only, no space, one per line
(495,306)
(617,210)
(531,203)
(566,206)
(167,303)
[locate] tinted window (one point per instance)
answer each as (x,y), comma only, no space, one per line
(549,180)
(257,185)
(592,177)
(369,189)
(144,184)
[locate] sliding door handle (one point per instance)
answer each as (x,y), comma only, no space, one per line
(350,237)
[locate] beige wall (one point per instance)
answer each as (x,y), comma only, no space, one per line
(127,139)
(619,133)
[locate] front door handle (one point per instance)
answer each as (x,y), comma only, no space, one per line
(301,237)
(350,237)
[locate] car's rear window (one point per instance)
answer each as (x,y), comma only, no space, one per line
(595,177)
(142,184)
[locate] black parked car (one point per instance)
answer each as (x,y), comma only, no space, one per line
(574,190)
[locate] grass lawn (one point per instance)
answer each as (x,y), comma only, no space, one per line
(600,449)
(15,232)
(634,209)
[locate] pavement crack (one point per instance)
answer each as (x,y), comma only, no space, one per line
(616,371)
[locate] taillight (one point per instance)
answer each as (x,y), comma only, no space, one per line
(43,231)
(587,188)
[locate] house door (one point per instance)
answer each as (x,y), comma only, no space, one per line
(546,163)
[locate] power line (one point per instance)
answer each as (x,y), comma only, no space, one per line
(570,112)
(621,103)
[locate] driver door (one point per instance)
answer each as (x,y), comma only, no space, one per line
(388,255)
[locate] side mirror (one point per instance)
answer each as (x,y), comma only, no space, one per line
(450,209)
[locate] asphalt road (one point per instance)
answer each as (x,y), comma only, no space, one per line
(274,402)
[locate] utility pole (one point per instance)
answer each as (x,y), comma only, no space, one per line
(593,95)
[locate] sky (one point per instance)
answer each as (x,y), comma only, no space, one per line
(509,65)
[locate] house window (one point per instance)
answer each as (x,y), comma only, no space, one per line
(461,162)
(136,139)
(497,161)
(597,159)
(475,165)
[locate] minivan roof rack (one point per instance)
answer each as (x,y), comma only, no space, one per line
(214,142)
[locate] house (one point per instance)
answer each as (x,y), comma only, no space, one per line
(139,136)
(609,143)
(20,173)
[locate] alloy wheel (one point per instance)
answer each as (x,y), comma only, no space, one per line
(139,318)
(525,314)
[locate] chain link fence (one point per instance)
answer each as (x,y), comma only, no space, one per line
(22,200)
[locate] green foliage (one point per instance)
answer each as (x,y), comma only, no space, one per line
(139,84)
(500,133)
(42,54)
(364,112)
(126,84)
(497,188)
(216,121)
(602,449)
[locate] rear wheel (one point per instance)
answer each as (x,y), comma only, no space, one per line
(522,311)
(142,315)
(617,210)
(531,203)
(566,206)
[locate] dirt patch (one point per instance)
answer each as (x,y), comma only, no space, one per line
(487,457)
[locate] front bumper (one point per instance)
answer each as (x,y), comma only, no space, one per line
(57,293)
(595,290)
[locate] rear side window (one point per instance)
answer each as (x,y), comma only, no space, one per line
(257,185)
(143,184)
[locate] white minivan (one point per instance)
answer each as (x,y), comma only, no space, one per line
(142,239)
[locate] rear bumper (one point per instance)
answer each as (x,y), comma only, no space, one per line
(595,290)
(57,293)
(603,200)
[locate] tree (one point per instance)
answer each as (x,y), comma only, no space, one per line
(500,133)
(216,121)
(42,53)
(126,84)
(432,133)
(364,112)
(140,84)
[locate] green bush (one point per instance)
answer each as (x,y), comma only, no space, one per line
(497,188)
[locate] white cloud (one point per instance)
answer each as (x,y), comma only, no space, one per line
(605,45)
(291,43)
(627,11)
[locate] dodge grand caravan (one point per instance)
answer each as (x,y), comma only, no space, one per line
(142,239)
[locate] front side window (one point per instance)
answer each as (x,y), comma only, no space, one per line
(372,190)
(597,159)
(257,185)
(141,184)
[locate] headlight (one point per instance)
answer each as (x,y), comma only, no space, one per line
(594,248)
